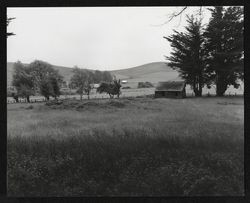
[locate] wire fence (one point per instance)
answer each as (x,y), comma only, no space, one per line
(127,94)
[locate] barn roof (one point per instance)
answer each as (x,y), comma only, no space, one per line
(170,86)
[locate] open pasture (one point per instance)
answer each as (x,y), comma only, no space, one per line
(135,92)
(127,146)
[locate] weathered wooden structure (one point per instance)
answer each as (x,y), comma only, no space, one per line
(171,89)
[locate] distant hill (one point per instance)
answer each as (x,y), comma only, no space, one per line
(152,72)
(145,69)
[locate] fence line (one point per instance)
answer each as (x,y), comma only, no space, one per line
(208,94)
(74,98)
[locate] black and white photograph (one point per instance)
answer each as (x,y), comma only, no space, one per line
(125,101)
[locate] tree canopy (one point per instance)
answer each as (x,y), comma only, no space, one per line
(102,76)
(38,76)
(224,44)
(111,88)
(22,81)
(47,80)
(82,80)
(188,55)
(211,55)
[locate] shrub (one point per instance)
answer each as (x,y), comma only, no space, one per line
(145,85)
(127,87)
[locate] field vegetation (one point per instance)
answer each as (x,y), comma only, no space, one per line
(128,146)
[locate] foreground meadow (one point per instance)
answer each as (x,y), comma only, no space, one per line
(136,146)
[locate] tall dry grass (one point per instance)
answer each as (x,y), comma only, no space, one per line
(128,147)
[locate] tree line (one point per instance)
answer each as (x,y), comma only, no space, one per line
(212,54)
(40,77)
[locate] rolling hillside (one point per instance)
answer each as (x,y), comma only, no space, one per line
(152,72)
(159,71)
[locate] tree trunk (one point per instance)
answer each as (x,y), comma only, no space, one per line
(197,86)
(200,87)
(88,96)
(16,98)
(199,93)
(81,97)
(221,85)
(28,99)
(196,90)
(221,88)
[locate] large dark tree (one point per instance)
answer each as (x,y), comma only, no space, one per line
(224,44)
(22,81)
(89,80)
(97,76)
(102,76)
(82,80)
(55,83)
(47,80)
(188,55)
(106,76)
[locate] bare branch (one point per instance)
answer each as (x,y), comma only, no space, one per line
(173,15)
(10,34)
(176,14)
(179,20)
(8,21)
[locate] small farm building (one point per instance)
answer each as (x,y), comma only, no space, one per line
(124,81)
(96,86)
(171,89)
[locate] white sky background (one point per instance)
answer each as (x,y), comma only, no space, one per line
(104,38)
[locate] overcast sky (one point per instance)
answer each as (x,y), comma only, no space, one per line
(105,38)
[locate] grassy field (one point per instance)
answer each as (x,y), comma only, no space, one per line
(94,95)
(136,146)
(133,92)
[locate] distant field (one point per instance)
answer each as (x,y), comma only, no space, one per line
(125,93)
(139,146)
(135,92)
